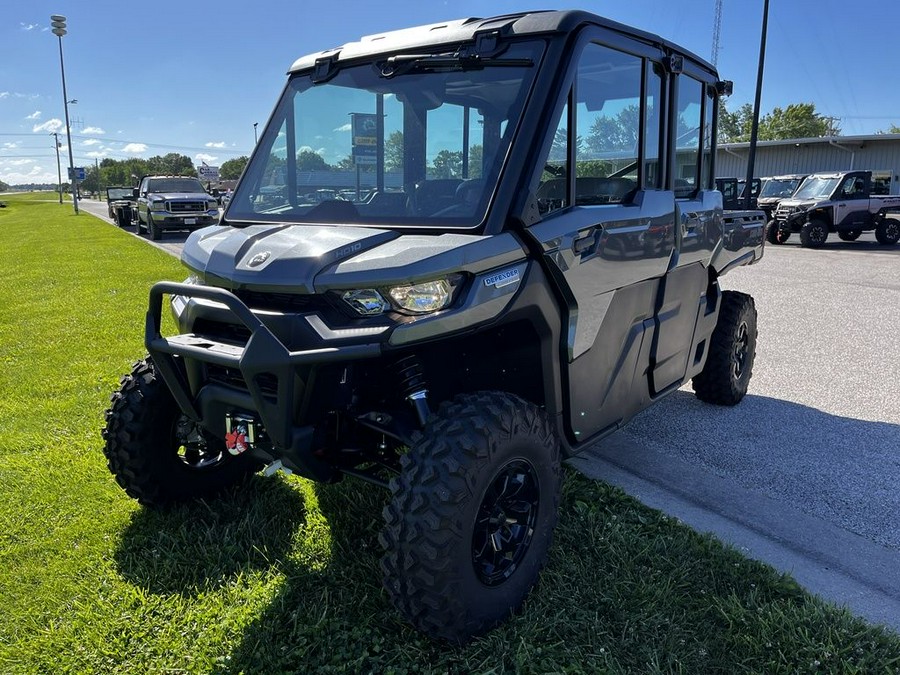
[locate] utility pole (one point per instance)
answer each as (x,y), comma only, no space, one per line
(717,32)
(59,29)
(754,132)
(58,169)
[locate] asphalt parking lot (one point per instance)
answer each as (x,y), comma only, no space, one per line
(804,472)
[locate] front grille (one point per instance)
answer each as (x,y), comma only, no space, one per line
(231,377)
(232,333)
(282,302)
(187,207)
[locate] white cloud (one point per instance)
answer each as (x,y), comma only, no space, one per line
(220,144)
(3,95)
(94,130)
(36,115)
(10,146)
(29,26)
(91,141)
(97,153)
(51,125)
(344,127)
(136,148)
(203,157)
(20,162)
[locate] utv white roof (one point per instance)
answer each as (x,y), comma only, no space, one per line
(461,30)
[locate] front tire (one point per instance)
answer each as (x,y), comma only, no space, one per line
(157,455)
(888,232)
(153,229)
(813,234)
(775,234)
(732,349)
(472,516)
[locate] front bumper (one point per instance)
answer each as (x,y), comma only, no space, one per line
(274,376)
(168,221)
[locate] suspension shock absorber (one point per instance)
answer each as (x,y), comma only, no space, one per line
(412,385)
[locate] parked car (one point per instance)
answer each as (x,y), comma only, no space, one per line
(840,202)
(121,205)
(174,203)
(776,188)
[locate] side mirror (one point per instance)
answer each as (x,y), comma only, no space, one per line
(134,193)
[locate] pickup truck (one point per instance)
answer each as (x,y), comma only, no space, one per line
(839,202)
(174,203)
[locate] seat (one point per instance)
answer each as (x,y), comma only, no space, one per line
(435,195)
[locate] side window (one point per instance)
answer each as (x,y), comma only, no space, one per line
(652,121)
(709,104)
(608,114)
(552,193)
(687,136)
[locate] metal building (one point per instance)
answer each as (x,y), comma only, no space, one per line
(878,152)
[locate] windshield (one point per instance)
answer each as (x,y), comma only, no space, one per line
(118,193)
(779,187)
(817,187)
(414,144)
(175,185)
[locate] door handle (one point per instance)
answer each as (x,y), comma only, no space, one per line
(583,243)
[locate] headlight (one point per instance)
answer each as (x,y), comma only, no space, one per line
(429,296)
(366,301)
(212,205)
(158,206)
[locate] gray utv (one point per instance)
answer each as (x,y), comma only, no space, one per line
(459,254)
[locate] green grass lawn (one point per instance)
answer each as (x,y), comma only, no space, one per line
(282,574)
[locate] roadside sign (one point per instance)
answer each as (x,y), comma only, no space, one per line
(208,172)
(79,172)
(365,138)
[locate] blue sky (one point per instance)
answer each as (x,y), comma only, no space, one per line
(164,76)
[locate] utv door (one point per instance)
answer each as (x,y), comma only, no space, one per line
(611,229)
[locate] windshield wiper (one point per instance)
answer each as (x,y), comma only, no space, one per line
(408,63)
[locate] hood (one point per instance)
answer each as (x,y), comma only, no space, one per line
(182,195)
(309,259)
(274,257)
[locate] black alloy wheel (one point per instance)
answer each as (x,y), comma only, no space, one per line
(505,522)
(813,234)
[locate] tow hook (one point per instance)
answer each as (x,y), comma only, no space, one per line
(241,433)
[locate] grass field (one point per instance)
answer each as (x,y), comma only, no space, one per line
(282,575)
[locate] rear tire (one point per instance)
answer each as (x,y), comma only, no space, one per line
(849,235)
(472,516)
(888,232)
(156,454)
(732,349)
(813,234)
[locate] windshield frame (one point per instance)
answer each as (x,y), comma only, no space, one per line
(283,120)
(771,182)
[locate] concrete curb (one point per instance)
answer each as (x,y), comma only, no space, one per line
(839,566)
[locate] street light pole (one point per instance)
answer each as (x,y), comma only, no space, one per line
(255,139)
(58,170)
(59,29)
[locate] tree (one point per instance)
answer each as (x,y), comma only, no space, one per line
(3,186)
(893,129)
(609,134)
(393,152)
(307,160)
(735,127)
(798,120)
(476,161)
(447,164)
(232,169)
